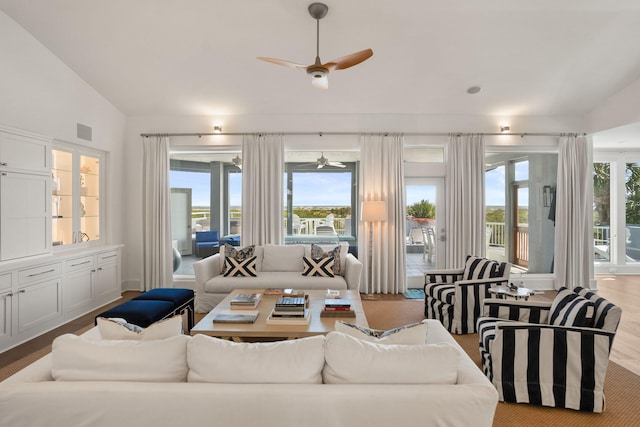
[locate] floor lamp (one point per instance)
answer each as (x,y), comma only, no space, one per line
(371,212)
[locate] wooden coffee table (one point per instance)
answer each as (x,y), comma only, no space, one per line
(260,329)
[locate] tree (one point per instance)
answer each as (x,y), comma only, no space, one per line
(632,187)
(601,193)
(422,209)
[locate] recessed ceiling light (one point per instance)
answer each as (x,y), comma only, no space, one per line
(474,89)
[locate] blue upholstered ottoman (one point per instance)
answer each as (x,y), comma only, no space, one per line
(182,299)
(141,312)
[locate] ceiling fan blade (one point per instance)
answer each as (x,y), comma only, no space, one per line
(349,60)
(320,165)
(336,164)
(320,82)
(284,63)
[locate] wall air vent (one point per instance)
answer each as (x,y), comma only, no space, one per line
(84,132)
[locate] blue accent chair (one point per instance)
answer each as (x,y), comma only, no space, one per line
(207,243)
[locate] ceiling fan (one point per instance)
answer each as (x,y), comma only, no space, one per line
(237,161)
(323,161)
(318,71)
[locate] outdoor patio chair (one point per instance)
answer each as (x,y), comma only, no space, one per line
(206,241)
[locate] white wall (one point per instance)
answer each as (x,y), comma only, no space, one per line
(41,94)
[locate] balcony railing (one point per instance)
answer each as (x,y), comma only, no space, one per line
(309,225)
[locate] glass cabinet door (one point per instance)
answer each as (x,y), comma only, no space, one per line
(75,197)
(89,198)
(62,198)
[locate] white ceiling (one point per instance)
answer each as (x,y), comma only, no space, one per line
(198,57)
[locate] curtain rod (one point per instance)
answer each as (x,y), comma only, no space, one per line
(520,134)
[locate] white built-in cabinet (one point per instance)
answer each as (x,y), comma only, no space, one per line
(91,280)
(76,205)
(54,263)
(25,188)
(38,296)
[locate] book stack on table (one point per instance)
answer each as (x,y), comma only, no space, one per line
(337,307)
(290,310)
(245,301)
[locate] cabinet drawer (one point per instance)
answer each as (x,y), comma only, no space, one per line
(80,263)
(107,257)
(5,281)
(39,273)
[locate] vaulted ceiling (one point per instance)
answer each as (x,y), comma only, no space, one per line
(198,57)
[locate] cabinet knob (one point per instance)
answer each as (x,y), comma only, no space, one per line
(3,164)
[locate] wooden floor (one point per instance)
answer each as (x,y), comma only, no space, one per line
(622,290)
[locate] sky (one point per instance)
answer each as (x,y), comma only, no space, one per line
(332,189)
(495,185)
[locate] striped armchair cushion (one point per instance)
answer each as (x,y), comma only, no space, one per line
(606,316)
(570,309)
(482,268)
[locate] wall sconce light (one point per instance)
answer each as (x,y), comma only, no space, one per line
(505,129)
(217,129)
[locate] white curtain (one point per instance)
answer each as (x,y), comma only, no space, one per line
(262,186)
(573,263)
(465,225)
(382,178)
(156,214)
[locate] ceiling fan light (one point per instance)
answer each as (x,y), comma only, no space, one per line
(320,82)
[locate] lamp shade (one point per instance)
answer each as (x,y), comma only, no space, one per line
(374,210)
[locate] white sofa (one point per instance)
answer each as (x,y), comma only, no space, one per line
(215,385)
(278,266)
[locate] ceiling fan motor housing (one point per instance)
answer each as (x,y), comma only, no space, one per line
(317,72)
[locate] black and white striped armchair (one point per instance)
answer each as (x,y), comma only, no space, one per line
(455,296)
(549,353)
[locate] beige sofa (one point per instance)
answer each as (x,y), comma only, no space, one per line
(278,266)
(198,381)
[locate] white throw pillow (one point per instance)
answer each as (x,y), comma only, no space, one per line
(75,358)
(350,360)
(119,329)
(415,333)
(219,361)
(282,258)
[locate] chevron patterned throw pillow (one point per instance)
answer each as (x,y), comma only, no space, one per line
(318,266)
(245,267)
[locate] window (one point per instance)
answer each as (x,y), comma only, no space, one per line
(602,211)
(520,224)
(320,201)
(632,212)
(616,203)
(206,194)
